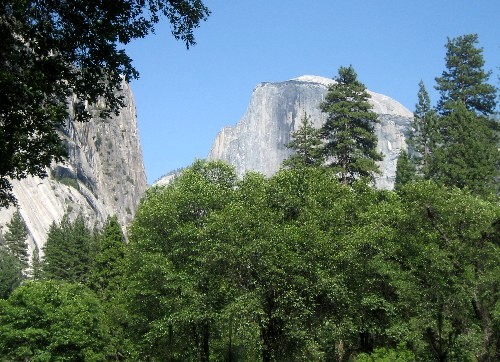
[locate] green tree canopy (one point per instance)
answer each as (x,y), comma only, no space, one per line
(350,141)
(108,262)
(175,291)
(464,79)
(11,274)
(67,252)
(52,50)
(16,239)
(405,170)
(52,321)
(468,154)
(306,144)
(423,131)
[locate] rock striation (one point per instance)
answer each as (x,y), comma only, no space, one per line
(258,141)
(103,176)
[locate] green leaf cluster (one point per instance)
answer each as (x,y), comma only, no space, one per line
(301,267)
(52,51)
(52,321)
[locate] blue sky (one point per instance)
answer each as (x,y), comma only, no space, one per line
(184,97)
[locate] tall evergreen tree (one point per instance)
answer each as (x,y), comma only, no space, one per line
(351,142)
(405,170)
(423,133)
(468,155)
(306,143)
(67,251)
(107,266)
(467,152)
(15,239)
(464,79)
(11,274)
(36,266)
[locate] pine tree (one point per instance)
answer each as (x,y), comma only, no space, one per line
(466,152)
(464,79)
(350,140)
(11,275)
(36,264)
(423,132)
(67,251)
(108,263)
(15,239)
(405,170)
(306,143)
(468,155)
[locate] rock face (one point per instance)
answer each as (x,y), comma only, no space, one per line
(258,141)
(104,175)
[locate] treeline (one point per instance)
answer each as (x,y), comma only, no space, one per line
(294,267)
(310,264)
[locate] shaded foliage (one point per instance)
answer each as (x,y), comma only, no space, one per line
(52,321)
(55,50)
(67,252)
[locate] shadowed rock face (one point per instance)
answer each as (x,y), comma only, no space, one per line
(258,141)
(103,176)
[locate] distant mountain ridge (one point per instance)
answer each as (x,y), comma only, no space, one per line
(257,142)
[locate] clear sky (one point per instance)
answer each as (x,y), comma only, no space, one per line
(184,97)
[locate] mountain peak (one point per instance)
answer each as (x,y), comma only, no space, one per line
(314,79)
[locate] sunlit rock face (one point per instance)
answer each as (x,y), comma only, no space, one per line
(103,176)
(257,142)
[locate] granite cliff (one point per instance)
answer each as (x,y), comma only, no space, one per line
(103,175)
(257,142)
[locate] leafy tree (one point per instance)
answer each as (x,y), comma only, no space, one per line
(306,144)
(108,280)
(405,170)
(464,79)
(52,50)
(468,155)
(52,321)
(440,256)
(400,354)
(176,295)
(16,237)
(423,131)
(67,251)
(11,274)
(350,146)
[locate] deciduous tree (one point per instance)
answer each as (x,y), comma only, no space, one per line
(52,321)
(54,50)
